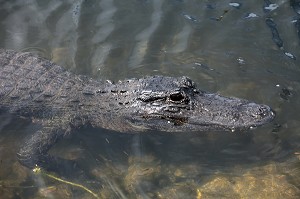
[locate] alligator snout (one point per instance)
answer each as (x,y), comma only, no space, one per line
(264,111)
(256,114)
(260,111)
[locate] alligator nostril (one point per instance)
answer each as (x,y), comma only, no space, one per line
(261,111)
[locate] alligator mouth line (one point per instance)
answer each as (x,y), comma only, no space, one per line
(180,121)
(177,121)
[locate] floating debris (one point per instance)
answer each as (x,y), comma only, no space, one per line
(270,7)
(241,60)
(275,35)
(251,15)
(189,17)
(235,5)
(220,17)
(290,55)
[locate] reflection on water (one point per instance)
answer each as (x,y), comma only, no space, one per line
(242,49)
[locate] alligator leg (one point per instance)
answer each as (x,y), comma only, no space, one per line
(35,148)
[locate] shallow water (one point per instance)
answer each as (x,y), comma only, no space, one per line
(223,48)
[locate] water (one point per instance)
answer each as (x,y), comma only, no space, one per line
(223,48)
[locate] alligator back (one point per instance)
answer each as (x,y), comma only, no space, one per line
(30,85)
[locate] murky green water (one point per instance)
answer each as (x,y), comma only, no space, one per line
(223,48)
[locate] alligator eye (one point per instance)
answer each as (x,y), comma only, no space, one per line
(176,97)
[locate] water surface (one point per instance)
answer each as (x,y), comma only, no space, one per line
(223,47)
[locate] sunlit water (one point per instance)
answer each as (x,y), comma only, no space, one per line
(223,47)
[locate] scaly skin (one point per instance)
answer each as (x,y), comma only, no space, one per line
(60,102)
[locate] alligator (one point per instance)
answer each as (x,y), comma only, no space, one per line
(60,102)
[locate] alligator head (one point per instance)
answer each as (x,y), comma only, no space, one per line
(174,104)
